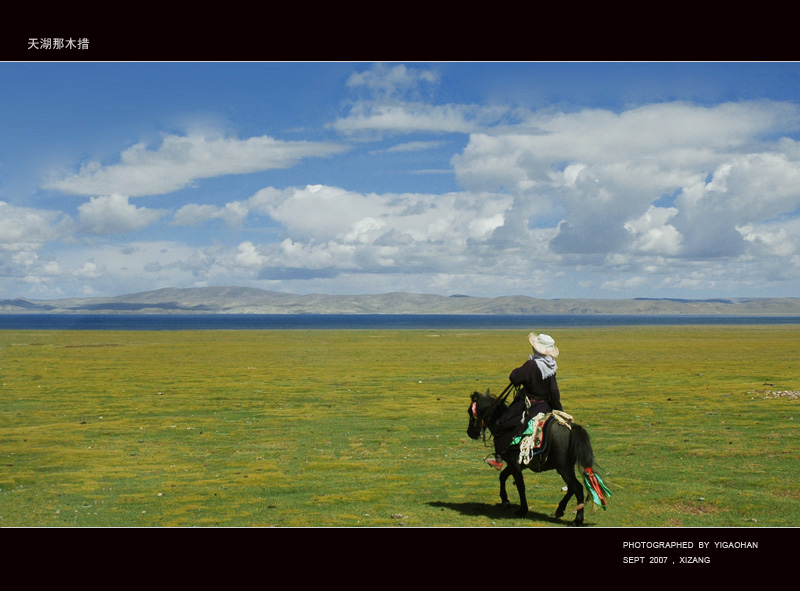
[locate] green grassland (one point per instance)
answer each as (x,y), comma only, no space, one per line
(692,427)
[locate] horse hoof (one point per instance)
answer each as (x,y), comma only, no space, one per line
(559,514)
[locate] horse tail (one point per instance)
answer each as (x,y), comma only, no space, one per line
(581,447)
(581,452)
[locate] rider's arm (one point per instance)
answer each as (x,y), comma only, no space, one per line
(519,376)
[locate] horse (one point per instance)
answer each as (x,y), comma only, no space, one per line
(568,446)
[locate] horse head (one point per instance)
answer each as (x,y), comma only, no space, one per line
(479,404)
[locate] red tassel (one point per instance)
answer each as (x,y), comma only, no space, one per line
(595,485)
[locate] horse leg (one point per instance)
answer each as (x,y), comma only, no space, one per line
(520,482)
(511,470)
(503,477)
(574,487)
(562,506)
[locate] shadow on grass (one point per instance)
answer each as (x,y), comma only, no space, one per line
(497,511)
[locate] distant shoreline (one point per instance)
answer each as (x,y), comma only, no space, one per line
(238,300)
(170,322)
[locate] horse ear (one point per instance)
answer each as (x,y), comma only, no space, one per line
(487,392)
(475,396)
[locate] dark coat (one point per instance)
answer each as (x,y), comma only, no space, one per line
(542,394)
(535,387)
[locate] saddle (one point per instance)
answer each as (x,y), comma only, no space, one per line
(533,441)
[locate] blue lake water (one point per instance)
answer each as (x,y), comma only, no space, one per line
(360,321)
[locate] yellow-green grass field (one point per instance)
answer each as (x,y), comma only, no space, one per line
(693,426)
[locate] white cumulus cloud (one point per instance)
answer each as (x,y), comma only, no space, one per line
(603,172)
(113,214)
(23,228)
(332,228)
(179,160)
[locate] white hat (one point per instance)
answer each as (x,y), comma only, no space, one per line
(543,344)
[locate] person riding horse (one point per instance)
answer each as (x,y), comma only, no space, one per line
(538,393)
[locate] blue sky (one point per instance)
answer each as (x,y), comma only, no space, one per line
(554,180)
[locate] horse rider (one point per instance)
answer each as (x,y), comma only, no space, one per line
(538,393)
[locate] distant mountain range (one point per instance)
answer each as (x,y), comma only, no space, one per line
(244,300)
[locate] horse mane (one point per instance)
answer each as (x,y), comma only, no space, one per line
(485,400)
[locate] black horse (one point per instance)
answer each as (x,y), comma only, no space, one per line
(567,446)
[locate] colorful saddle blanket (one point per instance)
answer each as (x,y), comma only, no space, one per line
(534,431)
(533,440)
